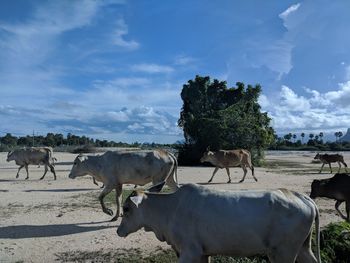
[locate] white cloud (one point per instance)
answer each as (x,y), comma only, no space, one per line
(291,101)
(183,60)
(289,10)
(152,68)
(119,36)
(325,112)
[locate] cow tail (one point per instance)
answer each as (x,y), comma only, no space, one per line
(173,172)
(251,163)
(317,229)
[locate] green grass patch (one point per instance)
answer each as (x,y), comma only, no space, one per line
(136,255)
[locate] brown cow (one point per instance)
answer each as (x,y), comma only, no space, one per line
(331,158)
(338,188)
(225,159)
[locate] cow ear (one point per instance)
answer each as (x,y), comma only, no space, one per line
(156,188)
(137,199)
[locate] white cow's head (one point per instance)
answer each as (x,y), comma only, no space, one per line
(80,167)
(207,156)
(133,214)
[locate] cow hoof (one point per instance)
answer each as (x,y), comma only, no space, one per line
(229,181)
(27,178)
(255,179)
(17,176)
(41,178)
(209,181)
(241,181)
(115,218)
(108,211)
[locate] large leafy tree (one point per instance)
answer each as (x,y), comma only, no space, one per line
(222,118)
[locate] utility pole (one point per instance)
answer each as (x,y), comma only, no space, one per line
(33,138)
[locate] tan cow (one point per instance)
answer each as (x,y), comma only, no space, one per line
(34,155)
(134,167)
(331,158)
(225,159)
(198,222)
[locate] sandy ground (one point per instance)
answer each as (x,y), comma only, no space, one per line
(46,221)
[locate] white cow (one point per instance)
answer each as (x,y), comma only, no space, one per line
(35,156)
(198,222)
(131,167)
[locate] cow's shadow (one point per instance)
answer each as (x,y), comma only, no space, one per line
(62,190)
(206,183)
(33,231)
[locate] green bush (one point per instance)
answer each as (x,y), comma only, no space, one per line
(335,243)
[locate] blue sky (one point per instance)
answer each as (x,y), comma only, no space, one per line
(114,69)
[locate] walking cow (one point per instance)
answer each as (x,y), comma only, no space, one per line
(35,156)
(225,159)
(338,188)
(132,167)
(331,158)
(198,222)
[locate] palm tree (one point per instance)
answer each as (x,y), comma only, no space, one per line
(340,134)
(302,137)
(294,137)
(336,134)
(311,135)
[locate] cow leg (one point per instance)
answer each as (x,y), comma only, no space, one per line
(305,254)
(52,169)
(330,167)
(26,166)
(337,204)
(347,206)
(105,192)
(251,167)
(282,255)
(118,195)
(215,170)
(346,170)
(322,167)
(94,181)
(245,172)
(19,170)
(191,257)
(339,166)
(42,177)
(228,174)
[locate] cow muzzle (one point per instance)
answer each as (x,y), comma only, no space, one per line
(71,176)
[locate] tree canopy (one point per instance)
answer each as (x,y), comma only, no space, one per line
(222,118)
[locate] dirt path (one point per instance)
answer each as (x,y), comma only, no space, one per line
(44,221)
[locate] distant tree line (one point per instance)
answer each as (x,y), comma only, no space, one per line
(58,140)
(310,141)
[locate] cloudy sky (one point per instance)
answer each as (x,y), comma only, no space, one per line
(114,69)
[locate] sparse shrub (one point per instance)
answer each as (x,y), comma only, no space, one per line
(335,243)
(85,149)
